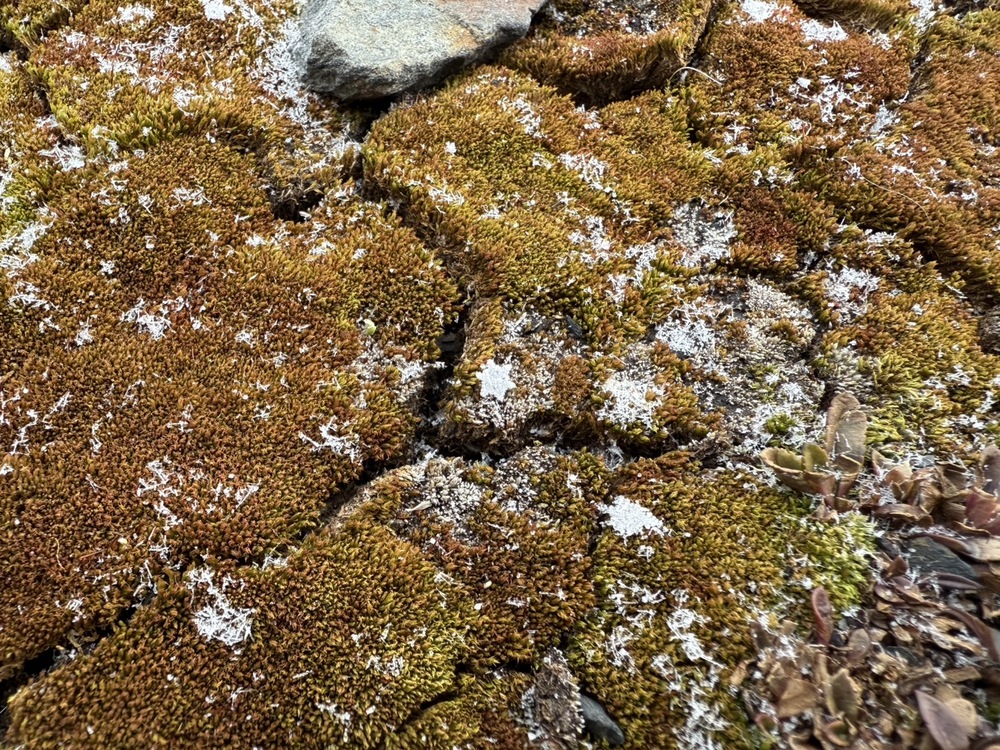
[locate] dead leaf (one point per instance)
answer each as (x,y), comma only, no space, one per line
(838,733)
(799,696)
(908,514)
(942,723)
(859,643)
(984,549)
(822,615)
(843,695)
(989,466)
(846,424)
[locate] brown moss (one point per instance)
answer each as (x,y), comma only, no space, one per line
(188,378)
(564,257)
(604,51)
(336,645)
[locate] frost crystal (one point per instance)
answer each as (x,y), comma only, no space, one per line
(220,620)
(494,380)
(630,519)
(759,10)
(216,10)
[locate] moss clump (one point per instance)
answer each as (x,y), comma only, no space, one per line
(23,22)
(334,646)
(433,582)
(515,536)
(931,380)
(687,559)
(185,378)
(604,51)
(569,264)
(134,76)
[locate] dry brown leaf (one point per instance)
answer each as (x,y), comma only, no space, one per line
(942,723)
(989,467)
(843,695)
(799,696)
(822,615)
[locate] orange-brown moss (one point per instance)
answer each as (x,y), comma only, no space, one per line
(604,51)
(515,537)
(188,378)
(337,645)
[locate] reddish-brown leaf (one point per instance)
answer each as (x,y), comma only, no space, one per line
(822,615)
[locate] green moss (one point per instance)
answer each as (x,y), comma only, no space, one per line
(779,424)
(676,598)
(119,77)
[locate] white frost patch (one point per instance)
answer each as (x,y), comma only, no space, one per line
(15,250)
(524,114)
(817,31)
(926,11)
(848,290)
(68,157)
(129,13)
(590,169)
(680,623)
(155,326)
(494,380)
(631,402)
(595,238)
(630,519)
(704,240)
(691,336)
(220,620)
(216,10)
(342,445)
(759,10)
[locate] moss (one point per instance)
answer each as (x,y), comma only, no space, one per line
(779,424)
(336,645)
(131,78)
(24,22)
(515,537)
(605,51)
(690,558)
(187,378)
(482,715)
(568,264)
(931,380)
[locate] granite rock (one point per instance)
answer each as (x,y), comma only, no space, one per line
(367,50)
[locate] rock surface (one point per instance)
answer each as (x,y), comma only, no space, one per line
(366,50)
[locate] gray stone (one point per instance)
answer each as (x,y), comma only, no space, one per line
(366,49)
(599,724)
